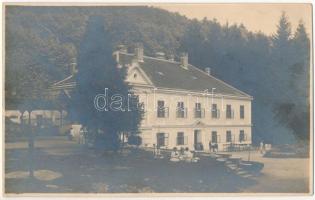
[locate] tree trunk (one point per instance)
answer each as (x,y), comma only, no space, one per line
(60,118)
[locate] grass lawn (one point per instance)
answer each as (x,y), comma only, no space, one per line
(65,167)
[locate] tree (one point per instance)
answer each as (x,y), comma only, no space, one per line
(298,117)
(270,68)
(290,67)
(282,37)
(98,76)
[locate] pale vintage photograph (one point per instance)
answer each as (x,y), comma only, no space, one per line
(157,99)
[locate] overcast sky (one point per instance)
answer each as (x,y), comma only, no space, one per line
(256,17)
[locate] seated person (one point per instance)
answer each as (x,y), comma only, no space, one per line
(189,156)
(175,155)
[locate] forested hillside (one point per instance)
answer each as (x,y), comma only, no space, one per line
(42,42)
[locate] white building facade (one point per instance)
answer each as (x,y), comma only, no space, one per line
(185,106)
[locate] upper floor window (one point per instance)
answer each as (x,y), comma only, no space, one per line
(199,112)
(181,111)
(162,111)
(214,111)
(229,112)
(228,136)
(242,136)
(242,112)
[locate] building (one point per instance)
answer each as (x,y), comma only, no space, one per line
(184,106)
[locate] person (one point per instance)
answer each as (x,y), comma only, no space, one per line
(188,155)
(71,134)
(85,135)
(158,152)
(175,155)
(81,137)
(154,150)
(261,147)
(215,147)
(210,146)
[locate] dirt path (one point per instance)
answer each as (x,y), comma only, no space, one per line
(279,175)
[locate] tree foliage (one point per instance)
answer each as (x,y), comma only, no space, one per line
(97,72)
(273,69)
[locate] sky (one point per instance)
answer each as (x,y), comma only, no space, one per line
(256,17)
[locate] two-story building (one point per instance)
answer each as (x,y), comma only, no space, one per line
(184,106)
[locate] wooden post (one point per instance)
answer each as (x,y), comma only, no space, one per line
(30,145)
(60,118)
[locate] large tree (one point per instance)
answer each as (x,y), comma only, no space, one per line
(98,76)
(293,111)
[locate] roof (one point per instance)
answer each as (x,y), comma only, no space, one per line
(169,74)
(68,82)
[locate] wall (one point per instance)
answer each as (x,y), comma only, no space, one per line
(151,124)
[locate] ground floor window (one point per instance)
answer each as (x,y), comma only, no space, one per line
(242,136)
(162,139)
(181,140)
(228,136)
(214,137)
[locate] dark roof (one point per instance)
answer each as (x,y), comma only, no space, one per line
(169,74)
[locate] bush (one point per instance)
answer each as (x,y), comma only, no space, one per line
(134,140)
(106,142)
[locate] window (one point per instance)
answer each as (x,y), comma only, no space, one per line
(181,138)
(229,112)
(162,139)
(242,136)
(214,111)
(242,112)
(39,120)
(198,111)
(180,112)
(134,75)
(162,111)
(214,137)
(228,136)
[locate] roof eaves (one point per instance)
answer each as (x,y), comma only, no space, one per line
(64,80)
(245,94)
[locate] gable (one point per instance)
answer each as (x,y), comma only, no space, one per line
(137,76)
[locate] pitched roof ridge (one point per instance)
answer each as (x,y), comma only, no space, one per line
(153,58)
(161,59)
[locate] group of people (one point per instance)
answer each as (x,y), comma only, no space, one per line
(157,151)
(82,135)
(176,155)
(183,155)
(213,147)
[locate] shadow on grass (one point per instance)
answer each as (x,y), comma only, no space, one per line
(135,170)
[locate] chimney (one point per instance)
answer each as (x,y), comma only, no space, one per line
(122,48)
(208,70)
(184,60)
(73,68)
(139,52)
(160,55)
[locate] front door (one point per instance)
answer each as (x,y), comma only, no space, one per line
(197,140)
